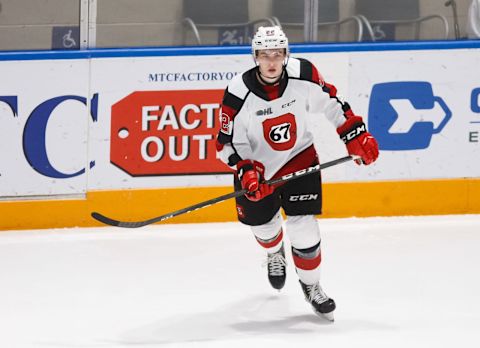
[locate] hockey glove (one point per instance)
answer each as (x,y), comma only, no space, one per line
(359,142)
(250,173)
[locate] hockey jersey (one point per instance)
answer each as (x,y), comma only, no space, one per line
(271,124)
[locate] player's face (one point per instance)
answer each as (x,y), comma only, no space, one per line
(270,62)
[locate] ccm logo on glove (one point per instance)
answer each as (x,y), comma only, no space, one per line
(359,129)
(359,142)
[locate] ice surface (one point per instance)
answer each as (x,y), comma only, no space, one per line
(398,282)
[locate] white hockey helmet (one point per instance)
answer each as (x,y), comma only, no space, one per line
(269,38)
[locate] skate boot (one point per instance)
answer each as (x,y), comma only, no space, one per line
(277,269)
(321,303)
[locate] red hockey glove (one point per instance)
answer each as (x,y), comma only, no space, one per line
(359,142)
(250,174)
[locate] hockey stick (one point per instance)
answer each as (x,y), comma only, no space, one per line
(298,174)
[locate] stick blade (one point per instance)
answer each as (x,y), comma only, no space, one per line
(126,224)
(105,220)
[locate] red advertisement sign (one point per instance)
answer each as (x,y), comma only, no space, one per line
(166,133)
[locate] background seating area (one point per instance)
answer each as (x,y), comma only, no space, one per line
(54,24)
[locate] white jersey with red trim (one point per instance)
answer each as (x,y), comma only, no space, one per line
(273,128)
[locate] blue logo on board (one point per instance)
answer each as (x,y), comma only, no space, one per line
(406,115)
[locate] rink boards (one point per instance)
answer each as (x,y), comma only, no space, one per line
(131,133)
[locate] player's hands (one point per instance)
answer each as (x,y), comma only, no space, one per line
(250,173)
(359,142)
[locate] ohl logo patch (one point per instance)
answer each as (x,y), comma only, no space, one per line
(406,115)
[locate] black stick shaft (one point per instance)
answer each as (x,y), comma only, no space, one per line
(307,171)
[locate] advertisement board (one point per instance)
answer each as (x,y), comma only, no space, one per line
(44,115)
(161,116)
(423,108)
(79,125)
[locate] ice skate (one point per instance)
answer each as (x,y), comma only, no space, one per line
(277,269)
(321,303)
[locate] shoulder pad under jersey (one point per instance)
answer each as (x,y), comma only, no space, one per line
(302,69)
(237,87)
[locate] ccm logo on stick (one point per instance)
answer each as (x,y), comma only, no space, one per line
(301,198)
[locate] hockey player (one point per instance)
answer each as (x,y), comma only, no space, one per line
(264,134)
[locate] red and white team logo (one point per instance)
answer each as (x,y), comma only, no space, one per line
(225,124)
(280,132)
(240,211)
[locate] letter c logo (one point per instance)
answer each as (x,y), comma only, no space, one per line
(475,100)
(34,144)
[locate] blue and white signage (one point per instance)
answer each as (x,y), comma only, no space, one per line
(55,125)
(406,115)
(44,128)
(423,108)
